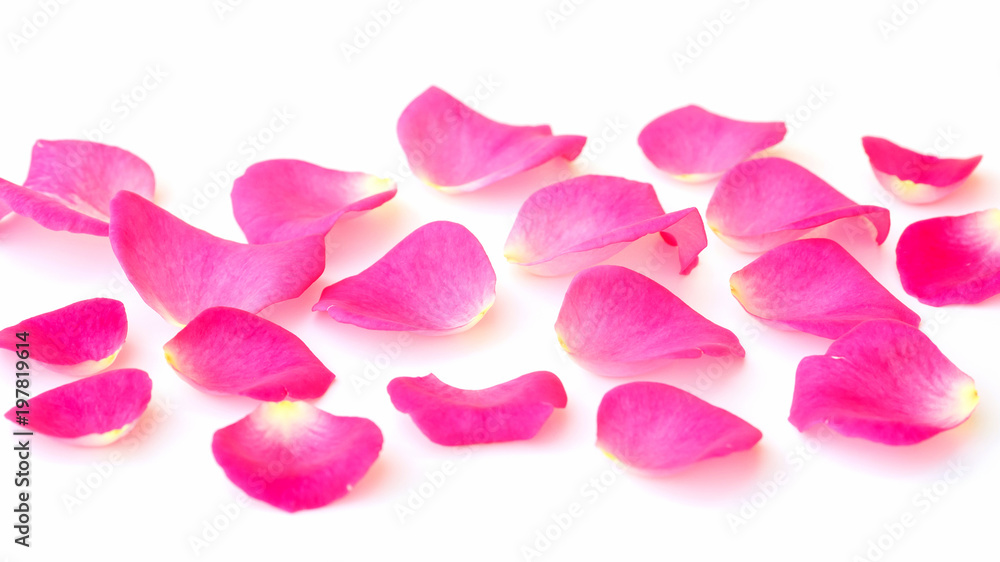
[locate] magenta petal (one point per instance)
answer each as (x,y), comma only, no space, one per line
(572,224)
(49,211)
(71,183)
(180,270)
(436,281)
(511,411)
(914,177)
(951,260)
(278,200)
(694,144)
(766,202)
(884,381)
(295,456)
(453,148)
(94,411)
(231,351)
(657,428)
(80,339)
(814,286)
(617,322)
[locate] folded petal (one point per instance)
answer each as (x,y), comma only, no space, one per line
(436,281)
(278,200)
(91,412)
(180,270)
(510,411)
(572,224)
(884,381)
(617,322)
(695,145)
(914,177)
(231,351)
(80,339)
(814,286)
(766,202)
(951,260)
(295,456)
(71,183)
(657,428)
(49,211)
(453,148)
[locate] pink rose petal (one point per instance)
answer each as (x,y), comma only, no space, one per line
(616,322)
(884,381)
(455,149)
(180,270)
(295,456)
(91,412)
(49,211)
(914,177)
(231,351)
(695,145)
(951,260)
(278,200)
(436,281)
(766,202)
(657,428)
(511,411)
(80,339)
(572,224)
(71,183)
(814,286)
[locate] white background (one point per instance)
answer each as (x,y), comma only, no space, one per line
(934,79)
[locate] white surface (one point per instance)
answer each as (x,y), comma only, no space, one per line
(225,78)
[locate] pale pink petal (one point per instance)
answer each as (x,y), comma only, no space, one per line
(278,200)
(884,381)
(295,456)
(572,224)
(453,148)
(617,322)
(914,177)
(766,202)
(231,351)
(71,183)
(951,260)
(814,286)
(436,281)
(658,429)
(510,411)
(90,412)
(180,270)
(80,339)
(695,145)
